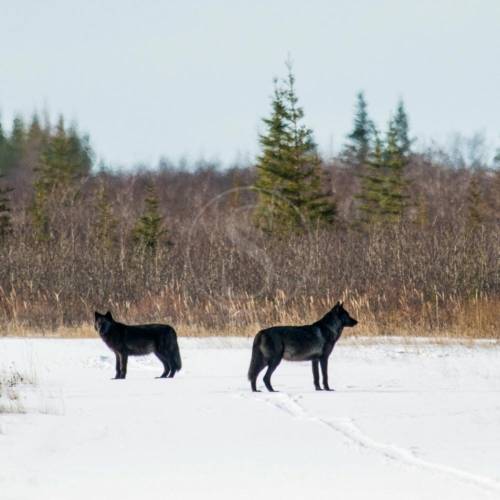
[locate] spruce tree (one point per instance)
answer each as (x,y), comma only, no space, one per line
(147,231)
(362,136)
(18,142)
(4,150)
(402,127)
(496,159)
(383,197)
(61,168)
(373,186)
(5,223)
(106,224)
(394,200)
(290,180)
(62,161)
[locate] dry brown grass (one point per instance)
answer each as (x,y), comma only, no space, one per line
(442,318)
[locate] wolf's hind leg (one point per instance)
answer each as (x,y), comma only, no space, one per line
(270,369)
(173,366)
(315,366)
(166,365)
(324,372)
(255,374)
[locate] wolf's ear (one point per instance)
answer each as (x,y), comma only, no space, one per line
(341,304)
(96,315)
(108,315)
(337,305)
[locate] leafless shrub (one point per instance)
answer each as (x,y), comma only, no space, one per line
(223,277)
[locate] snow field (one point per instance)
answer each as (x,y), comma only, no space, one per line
(406,421)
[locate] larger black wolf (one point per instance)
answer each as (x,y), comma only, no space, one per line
(125,341)
(299,343)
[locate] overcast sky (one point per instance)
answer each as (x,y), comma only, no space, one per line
(194,77)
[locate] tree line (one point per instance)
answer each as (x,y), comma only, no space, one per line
(380,220)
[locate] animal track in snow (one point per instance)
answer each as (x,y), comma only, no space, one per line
(347,428)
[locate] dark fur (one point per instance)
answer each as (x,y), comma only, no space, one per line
(299,343)
(125,341)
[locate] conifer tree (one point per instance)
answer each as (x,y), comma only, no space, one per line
(362,136)
(394,202)
(402,127)
(290,180)
(106,224)
(147,231)
(36,135)
(61,167)
(496,159)
(18,140)
(373,186)
(4,146)
(5,223)
(383,198)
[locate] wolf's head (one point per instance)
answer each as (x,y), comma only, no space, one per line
(103,322)
(345,318)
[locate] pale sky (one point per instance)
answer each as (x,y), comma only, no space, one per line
(194,78)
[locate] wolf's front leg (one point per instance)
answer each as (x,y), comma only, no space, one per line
(117,366)
(123,364)
(324,372)
(315,365)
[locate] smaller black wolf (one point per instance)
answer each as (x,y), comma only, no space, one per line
(299,343)
(125,341)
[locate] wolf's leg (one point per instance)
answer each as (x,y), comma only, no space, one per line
(173,366)
(166,366)
(270,369)
(315,365)
(123,364)
(324,372)
(117,367)
(255,374)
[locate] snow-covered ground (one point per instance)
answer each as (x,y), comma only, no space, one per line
(406,421)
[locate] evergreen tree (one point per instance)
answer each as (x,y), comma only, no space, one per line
(37,138)
(106,224)
(147,231)
(18,141)
(373,186)
(5,223)
(496,159)
(4,147)
(37,143)
(62,167)
(383,198)
(394,203)
(361,138)
(290,179)
(62,162)
(402,128)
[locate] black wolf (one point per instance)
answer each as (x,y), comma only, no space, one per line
(299,343)
(125,341)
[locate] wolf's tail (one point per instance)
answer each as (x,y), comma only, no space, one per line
(257,359)
(176,358)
